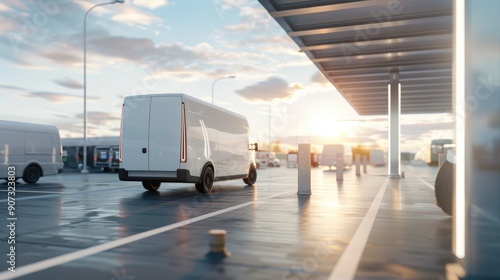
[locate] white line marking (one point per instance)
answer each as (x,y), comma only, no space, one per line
(67,193)
(45,264)
(348,263)
(426,183)
(18,191)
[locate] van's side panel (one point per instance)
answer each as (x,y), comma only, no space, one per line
(164,133)
(233,147)
(202,137)
(135,132)
(12,151)
(38,148)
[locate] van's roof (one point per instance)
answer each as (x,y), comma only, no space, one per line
(22,126)
(187,97)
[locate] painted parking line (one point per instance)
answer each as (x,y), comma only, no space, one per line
(57,194)
(60,260)
(18,191)
(347,265)
(423,181)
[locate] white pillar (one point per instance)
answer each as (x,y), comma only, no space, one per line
(476,81)
(304,170)
(394,98)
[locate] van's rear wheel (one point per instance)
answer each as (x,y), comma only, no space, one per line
(444,187)
(252,176)
(32,174)
(151,185)
(206,184)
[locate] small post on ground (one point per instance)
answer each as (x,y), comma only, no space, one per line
(339,162)
(365,162)
(304,170)
(357,159)
(217,243)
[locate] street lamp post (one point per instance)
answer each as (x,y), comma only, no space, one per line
(213,84)
(85,170)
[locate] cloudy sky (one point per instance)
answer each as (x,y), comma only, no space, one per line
(162,46)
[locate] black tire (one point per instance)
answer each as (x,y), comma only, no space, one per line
(32,174)
(270,164)
(252,176)
(151,185)
(206,183)
(444,187)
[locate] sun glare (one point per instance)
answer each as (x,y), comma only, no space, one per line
(330,128)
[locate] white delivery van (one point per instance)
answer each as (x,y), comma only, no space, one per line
(264,159)
(377,158)
(106,157)
(329,155)
(178,138)
(33,149)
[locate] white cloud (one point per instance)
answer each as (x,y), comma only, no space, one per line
(318,78)
(133,16)
(69,83)
(150,4)
(269,90)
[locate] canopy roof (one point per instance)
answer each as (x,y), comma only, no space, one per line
(357,44)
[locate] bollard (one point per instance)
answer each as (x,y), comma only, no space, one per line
(441,160)
(217,243)
(304,170)
(358,166)
(365,162)
(339,163)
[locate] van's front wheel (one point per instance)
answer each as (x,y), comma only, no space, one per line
(151,185)
(206,184)
(252,176)
(32,174)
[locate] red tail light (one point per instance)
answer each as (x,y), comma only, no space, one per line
(183,134)
(121,135)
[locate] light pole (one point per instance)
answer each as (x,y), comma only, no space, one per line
(270,149)
(213,84)
(84,170)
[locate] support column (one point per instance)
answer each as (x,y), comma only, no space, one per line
(394,106)
(304,170)
(476,208)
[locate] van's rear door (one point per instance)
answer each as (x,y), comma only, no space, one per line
(135,133)
(165,133)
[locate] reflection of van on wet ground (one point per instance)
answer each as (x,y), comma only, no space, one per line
(34,150)
(329,155)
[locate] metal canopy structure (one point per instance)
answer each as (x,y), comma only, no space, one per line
(358,44)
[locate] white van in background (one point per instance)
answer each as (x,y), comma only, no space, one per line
(178,138)
(263,159)
(377,158)
(33,149)
(329,155)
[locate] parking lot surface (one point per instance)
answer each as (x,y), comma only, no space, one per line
(93,226)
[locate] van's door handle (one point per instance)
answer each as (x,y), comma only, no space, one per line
(144,150)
